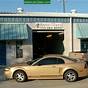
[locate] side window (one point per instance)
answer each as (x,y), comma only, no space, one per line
(60,61)
(48,61)
(19,50)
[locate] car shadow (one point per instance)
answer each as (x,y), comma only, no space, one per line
(82,78)
(30,80)
(79,79)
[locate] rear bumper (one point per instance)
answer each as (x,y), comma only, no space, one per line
(83,73)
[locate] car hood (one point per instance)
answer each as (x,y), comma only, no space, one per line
(19,64)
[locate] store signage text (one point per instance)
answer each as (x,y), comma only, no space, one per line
(37,1)
(49,26)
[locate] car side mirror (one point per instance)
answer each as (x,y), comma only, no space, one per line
(39,64)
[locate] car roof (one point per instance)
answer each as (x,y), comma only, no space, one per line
(52,55)
(59,55)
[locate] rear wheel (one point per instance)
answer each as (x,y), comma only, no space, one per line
(20,76)
(70,76)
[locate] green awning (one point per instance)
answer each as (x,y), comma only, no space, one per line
(82,30)
(13,31)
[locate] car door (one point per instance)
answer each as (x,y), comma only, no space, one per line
(46,67)
(61,66)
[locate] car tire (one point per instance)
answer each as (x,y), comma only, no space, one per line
(20,76)
(70,76)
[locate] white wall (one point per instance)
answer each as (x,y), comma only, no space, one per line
(76,41)
(67,39)
(27,51)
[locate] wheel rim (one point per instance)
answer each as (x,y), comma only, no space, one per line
(70,76)
(19,76)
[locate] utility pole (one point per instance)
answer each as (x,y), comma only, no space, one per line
(64,8)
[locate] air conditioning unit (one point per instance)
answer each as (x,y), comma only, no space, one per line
(20,10)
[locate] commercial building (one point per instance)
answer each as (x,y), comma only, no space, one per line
(24,36)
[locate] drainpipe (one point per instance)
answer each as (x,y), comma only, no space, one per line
(71,27)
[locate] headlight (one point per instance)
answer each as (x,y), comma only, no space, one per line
(7,69)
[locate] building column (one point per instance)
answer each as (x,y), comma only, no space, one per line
(68,37)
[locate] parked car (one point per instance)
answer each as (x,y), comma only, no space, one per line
(48,67)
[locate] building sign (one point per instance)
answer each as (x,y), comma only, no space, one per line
(36,1)
(48,26)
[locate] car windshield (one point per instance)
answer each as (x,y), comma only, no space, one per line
(72,59)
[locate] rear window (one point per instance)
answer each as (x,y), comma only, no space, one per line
(72,59)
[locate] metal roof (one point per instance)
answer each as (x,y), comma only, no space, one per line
(13,31)
(46,14)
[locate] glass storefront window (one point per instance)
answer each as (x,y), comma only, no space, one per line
(84,45)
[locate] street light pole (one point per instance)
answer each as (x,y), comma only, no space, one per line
(64,9)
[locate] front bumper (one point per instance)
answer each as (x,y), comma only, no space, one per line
(8,74)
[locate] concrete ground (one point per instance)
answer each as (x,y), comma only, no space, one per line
(45,84)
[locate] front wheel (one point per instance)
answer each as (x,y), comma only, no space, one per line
(70,76)
(20,76)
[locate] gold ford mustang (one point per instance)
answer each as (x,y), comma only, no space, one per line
(48,67)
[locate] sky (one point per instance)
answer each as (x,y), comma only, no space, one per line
(56,6)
